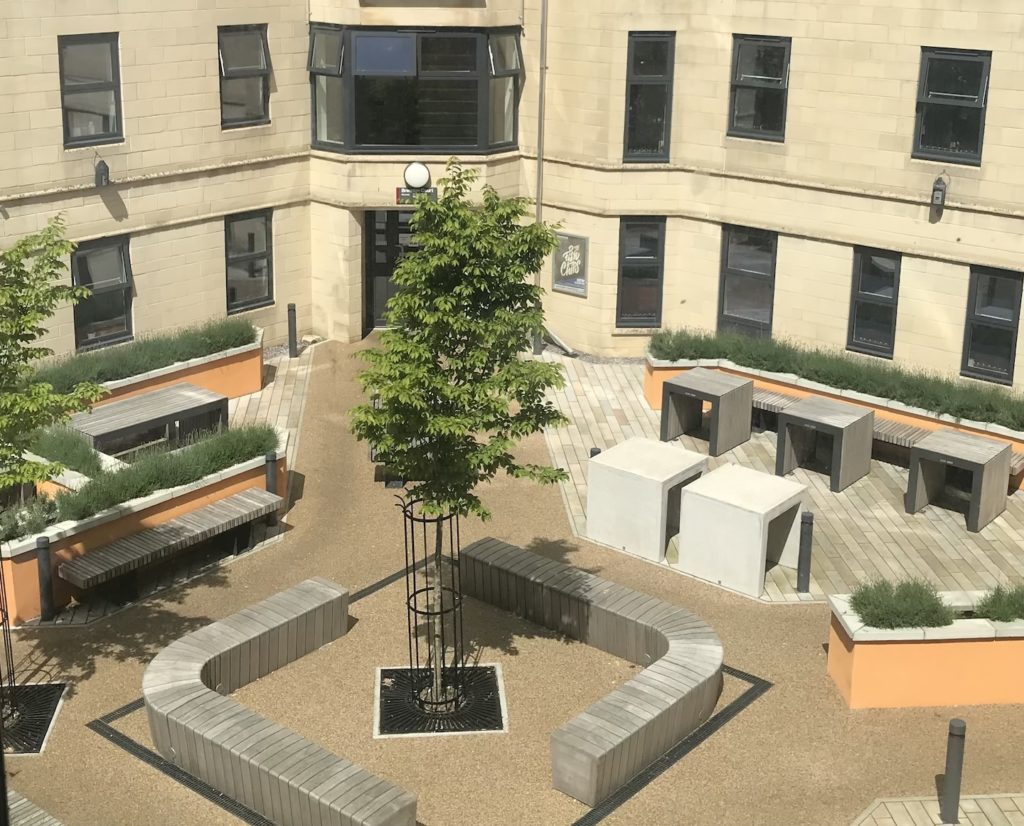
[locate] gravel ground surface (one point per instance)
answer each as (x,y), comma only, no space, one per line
(796,756)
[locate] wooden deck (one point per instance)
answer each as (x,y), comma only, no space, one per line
(860,533)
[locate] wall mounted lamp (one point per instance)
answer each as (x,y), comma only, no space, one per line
(416,175)
(102,174)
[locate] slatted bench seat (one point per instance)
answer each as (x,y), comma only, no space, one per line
(268,768)
(166,540)
(620,735)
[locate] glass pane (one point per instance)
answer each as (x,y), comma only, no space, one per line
(996,296)
(87,63)
(951,129)
(448,112)
(759,110)
(648,110)
(448,54)
(385,54)
(651,58)
(504,54)
(990,349)
(641,240)
(503,109)
(872,326)
(327,50)
(241,99)
(385,111)
(639,292)
(91,113)
(750,250)
(102,316)
(760,61)
(748,298)
(242,50)
(878,275)
(248,283)
(247,235)
(99,267)
(329,109)
(958,79)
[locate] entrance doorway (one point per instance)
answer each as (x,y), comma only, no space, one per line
(388,238)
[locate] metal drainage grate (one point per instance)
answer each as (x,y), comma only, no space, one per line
(481,708)
(37,707)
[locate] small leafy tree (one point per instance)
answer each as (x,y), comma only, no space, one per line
(30,290)
(454,393)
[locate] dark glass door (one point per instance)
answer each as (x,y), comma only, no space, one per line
(388,239)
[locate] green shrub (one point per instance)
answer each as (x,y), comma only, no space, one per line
(1002,604)
(70,448)
(30,518)
(157,471)
(147,354)
(908,604)
(940,395)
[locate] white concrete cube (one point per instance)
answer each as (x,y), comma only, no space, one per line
(629,488)
(735,520)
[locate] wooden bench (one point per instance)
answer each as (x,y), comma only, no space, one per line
(257,762)
(620,735)
(177,411)
(165,540)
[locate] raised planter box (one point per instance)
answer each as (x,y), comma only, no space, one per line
(657,372)
(71,539)
(232,373)
(971,662)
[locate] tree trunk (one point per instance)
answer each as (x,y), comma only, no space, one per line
(437,650)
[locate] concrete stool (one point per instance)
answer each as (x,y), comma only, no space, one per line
(987,460)
(734,521)
(731,399)
(851,428)
(633,494)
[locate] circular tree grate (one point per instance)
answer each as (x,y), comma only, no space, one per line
(399,713)
(37,706)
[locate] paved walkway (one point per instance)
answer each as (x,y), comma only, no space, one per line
(975,810)
(859,534)
(24,812)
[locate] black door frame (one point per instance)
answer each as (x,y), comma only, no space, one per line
(391,220)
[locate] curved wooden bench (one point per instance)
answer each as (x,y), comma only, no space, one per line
(616,738)
(263,765)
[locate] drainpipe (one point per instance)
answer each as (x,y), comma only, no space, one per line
(538,343)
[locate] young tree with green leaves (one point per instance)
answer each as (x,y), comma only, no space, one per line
(31,288)
(454,392)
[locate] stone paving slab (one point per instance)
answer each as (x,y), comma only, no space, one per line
(975,810)
(859,534)
(26,813)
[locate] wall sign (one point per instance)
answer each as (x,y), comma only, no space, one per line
(569,274)
(405,195)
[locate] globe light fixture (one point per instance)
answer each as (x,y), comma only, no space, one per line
(417,176)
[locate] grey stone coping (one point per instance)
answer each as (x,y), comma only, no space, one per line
(853,395)
(178,366)
(61,530)
(621,734)
(962,629)
(257,762)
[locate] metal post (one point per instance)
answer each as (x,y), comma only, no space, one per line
(46,607)
(803,564)
(594,451)
(271,458)
(293,340)
(5,815)
(949,802)
(538,339)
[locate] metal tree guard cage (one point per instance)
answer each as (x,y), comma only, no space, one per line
(434,609)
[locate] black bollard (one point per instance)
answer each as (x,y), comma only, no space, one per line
(594,451)
(271,458)
(949,803)
(803,564)
(46,607)
(293,340)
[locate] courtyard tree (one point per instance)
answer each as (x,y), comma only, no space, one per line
(454,392)
(32,286)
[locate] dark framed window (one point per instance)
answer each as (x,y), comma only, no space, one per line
(444,90)
(90,89)
(105,267)
(951,97)
(990,333)
(244,58)
(760,83)
(641,272)
(249,260)
(650,61)
(876,287)
(747,284)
